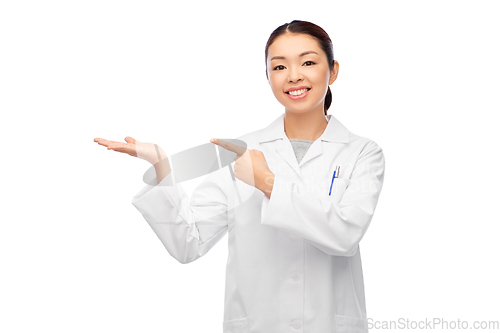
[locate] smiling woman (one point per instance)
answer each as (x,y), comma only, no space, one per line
(301,197)
(285,50)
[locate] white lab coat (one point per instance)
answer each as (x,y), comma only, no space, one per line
(294,260)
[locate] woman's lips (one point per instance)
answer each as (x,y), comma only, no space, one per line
(298,96)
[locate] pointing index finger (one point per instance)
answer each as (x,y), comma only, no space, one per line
(229,146)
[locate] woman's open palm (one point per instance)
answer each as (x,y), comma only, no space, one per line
(143,150)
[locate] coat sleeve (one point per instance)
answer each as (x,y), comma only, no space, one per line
(187,228)
(334,224)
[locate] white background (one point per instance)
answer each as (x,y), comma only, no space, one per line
(420,78)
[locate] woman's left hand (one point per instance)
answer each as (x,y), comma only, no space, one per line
(251,166)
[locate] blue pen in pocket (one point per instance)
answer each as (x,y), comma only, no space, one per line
(337,171)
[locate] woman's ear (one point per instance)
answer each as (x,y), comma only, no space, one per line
(334,72)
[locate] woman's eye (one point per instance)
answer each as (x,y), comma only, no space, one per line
(312,63)
(276,68)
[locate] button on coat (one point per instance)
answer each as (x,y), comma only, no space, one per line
(293,260)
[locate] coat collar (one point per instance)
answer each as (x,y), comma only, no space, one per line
(334,132)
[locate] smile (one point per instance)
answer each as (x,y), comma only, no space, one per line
(298,94)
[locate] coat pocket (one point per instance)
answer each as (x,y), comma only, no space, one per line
(345,324)
(336,190)
(236,326)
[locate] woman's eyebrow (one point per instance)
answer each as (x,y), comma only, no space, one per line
(300,55)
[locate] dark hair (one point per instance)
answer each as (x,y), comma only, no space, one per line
(308,28)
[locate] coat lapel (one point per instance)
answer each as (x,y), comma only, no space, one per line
(334,132)
(285,150)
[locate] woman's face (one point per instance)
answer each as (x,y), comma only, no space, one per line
(296,62)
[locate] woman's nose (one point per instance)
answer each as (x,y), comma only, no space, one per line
(294,75)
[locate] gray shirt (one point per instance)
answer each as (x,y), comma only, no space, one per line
(300,147)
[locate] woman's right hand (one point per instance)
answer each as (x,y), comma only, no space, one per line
(143,150)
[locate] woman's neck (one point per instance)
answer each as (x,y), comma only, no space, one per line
(305,126)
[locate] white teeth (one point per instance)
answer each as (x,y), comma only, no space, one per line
(297,92)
